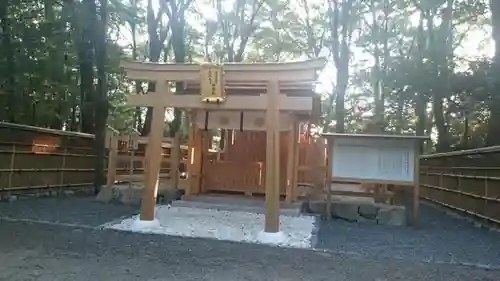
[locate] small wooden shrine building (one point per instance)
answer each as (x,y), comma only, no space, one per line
(257,106)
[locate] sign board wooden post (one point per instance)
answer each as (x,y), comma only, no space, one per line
(378,159)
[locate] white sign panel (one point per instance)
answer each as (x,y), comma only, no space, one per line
(374,159)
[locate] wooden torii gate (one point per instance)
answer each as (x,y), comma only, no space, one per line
(272,78)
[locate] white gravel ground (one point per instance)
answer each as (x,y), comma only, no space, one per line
(222,225)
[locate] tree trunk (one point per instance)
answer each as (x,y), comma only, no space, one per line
(56,69)
(421,94)
(493,136)
(85,61)
(399,113)
(12,102)
(138,87)
(155,48)
(101,103)
(340,30)
(341,88)
(377,68)
(178,22)
(441,51)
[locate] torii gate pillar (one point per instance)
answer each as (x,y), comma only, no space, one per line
(154,156)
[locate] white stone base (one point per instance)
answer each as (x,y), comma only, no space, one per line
(139,224)
(276,238)
(296,231)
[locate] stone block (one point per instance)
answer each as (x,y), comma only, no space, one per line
(345,210)
(317,207)
(392,215)
(69,192)
(130,196)
(168,193)
(368,211)
(105,194)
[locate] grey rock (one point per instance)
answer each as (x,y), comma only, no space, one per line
(368,211)
(69,192)
(392,215)
(345,210)
(130,196)
(105,194)
(317,207)
(44,194)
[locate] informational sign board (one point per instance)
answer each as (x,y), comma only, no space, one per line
(370,158)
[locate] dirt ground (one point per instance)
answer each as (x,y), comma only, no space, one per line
(61,239)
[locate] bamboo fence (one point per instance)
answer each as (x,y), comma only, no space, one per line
(466,181)
(33,159)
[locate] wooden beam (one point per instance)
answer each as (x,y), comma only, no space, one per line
(175,157)
(295,162)
(284,102)
(290,75)
(153,158)
(234,120)
(416,187)
(295,71)
(290,172)
(272,160)
(206,143)
(328,178)
(194,158)
(317,63)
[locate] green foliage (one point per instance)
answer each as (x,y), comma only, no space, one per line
(401,56)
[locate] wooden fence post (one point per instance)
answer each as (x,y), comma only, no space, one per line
(11,166)
(63,166)
(112,144)
(175,154)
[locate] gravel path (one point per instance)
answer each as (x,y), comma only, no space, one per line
(440,238)
(65,210)
(68,245)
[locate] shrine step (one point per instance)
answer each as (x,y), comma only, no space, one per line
(234,203)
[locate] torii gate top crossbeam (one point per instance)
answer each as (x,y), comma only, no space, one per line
(299,72)
(245,84)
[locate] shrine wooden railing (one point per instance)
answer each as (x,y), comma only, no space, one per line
(35,159)
(130,163)
(466,181)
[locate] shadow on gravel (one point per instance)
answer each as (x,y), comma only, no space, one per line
(78,210)
(439,238)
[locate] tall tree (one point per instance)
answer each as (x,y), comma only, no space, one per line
(494,120)
(342,21)
(157,34)
(101,105)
